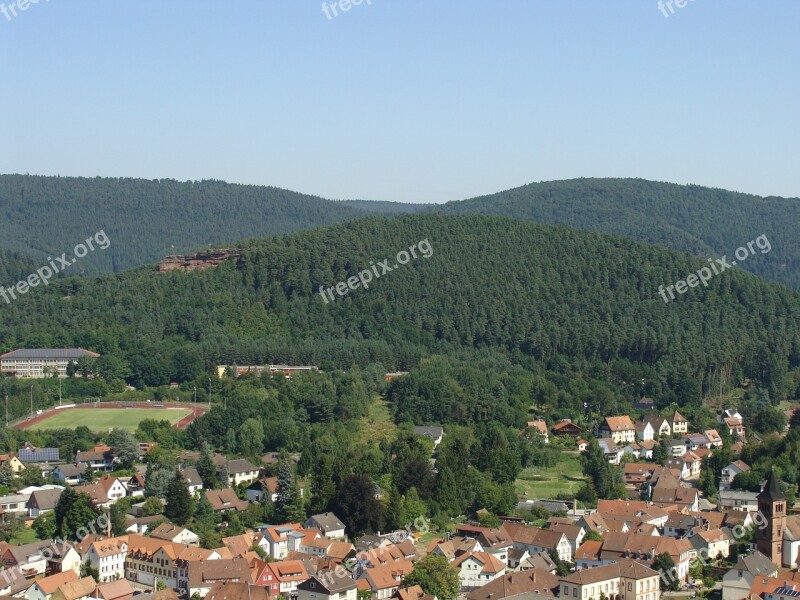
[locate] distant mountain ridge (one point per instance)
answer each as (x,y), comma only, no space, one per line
(701,221)
(148,220)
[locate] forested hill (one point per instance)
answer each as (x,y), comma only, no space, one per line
(14,266)
(547,295)
(698,220)
(147,220)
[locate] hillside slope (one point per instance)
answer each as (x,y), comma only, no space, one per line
(562,298)
(147,220)
(701,221)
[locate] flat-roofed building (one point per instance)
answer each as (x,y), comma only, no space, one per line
(37,363)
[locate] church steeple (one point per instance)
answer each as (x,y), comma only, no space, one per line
(772,506)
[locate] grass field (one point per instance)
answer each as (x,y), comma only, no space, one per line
(565,478)
(103,419)
(377,426)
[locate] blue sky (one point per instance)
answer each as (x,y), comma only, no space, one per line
(408,100)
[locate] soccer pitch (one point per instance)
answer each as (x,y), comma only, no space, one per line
(103,419)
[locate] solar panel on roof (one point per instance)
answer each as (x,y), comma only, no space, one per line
(38,456)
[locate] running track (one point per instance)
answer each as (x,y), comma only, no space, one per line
(197,410)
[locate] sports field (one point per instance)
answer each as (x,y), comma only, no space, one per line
(103,419)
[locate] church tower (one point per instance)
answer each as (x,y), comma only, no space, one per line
(772,505)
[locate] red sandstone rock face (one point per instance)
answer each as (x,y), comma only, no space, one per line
(201,260)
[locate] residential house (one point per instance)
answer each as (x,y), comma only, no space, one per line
(141,525)
(535,540)
(540,426)
(693,462)
(16,464)
(97,494)
(273,458)
(44,587)
(224,500)
(203,574)
(574,533)
(174,533)
(283,577)
(98,458)
(519,584)
(567,427)
(327,523)
(714,438)
(43,501)
(64,557)
(81,589)
(611,451)
(264,486)
(626,579)
(737,500)
(476,569)
(620,429)
(71,474)
(694,441)
(134,485)
(31,454)
(495,541)
(282,539)
(644,548)
(232,590)
(644,430)
(712,543)
(192,480)
(150,559)
(587,555)
(239,470)
(678,423)
(435,434)
(193,555)
(729,473)
(661,426)
(30,559)
(676,448)
(384,581)
(114,590)
(113,487)
(738,581)
(328,585)
(107,555)
(735,426)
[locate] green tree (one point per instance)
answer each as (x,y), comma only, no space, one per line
(87,570)
(45,526)
(6,474)
(118,513)
(206,467)
(251,437)
(355,504)
(289,505)
(153,506)
(436,576)
(664,564)
(125,447)
(592,536)
(179,503)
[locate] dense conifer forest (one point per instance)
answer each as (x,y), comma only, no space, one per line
(494,295)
